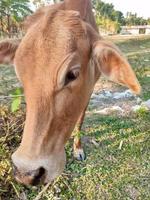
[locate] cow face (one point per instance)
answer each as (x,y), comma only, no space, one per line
(58,62)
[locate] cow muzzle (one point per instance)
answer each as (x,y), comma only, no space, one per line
(31,171)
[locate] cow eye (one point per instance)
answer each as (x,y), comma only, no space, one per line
(72,75)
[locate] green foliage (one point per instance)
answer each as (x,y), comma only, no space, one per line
(15,104)
(112,20)
(148,21)
(108,24)
(12,12)
(133,20)
(107,17)
(17,98)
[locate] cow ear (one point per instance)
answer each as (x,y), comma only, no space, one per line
(8,49)
(114,66)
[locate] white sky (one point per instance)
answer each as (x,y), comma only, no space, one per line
(141,7)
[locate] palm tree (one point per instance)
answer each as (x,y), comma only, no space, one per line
(12,12)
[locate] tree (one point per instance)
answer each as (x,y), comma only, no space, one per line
(12,12)
(118,17)
(148,21)
(132,20)
(107,17)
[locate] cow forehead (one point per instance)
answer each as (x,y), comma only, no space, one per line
(53,37)
(62,31)
(48,42)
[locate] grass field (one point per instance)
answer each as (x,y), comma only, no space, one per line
(117,148)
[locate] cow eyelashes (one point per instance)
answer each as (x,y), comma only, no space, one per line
(68,73)
(72,75)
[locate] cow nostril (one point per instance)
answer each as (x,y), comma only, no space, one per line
(38,175)
(33,177)
(40,172)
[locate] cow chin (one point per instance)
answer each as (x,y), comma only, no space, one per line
(31,171)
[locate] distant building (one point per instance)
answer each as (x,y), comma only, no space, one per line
(135,30)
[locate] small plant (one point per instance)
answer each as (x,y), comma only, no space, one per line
(17,99)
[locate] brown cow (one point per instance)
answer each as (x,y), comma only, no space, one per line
(58,62)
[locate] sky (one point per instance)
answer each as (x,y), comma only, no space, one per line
(141,7)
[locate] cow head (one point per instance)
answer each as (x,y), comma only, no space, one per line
(58,62)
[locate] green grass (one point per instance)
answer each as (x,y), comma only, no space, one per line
(117,148)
